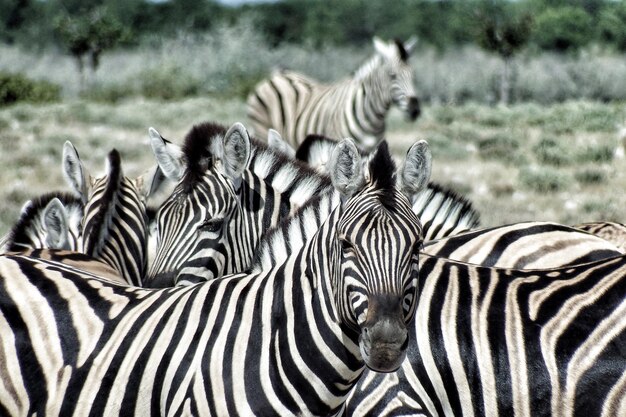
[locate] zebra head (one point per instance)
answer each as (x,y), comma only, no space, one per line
(114,224)
(51,221)
(398,75)
(203,206)
(378,240)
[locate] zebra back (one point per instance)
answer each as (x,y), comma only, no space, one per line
(296,106)
(51,220)
(298,334)
(526,245)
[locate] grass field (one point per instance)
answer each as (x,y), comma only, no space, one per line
(562,162)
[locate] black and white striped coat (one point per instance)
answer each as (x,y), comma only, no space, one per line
(231,346)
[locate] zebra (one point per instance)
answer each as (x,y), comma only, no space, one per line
(506,342)
(230,189)
(115,223)
(288,338)
(356,107)
(51,220)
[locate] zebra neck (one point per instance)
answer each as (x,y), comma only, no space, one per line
(295,182)
(116,234)
(371,98)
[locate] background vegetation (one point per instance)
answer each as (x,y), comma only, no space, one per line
(523,100)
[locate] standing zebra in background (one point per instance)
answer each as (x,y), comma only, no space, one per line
(114,226)
(289,338)
(356,107)
(51,220)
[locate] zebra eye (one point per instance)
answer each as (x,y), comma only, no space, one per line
(407,302)
(212,225)
(346,245)
(393,75)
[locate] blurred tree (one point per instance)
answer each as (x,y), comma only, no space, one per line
(503,29)
(612,25)
(89,35)
(18,18)
(563,28)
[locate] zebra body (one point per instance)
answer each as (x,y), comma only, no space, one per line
(295,105)
(51,220)
(288,340)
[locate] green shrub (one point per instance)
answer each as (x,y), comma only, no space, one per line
(590,176)
(543,179)
(563,28)
(168,83)
(444,147)
(550,151)
(596,153)
(498,146)
(16,87)
(109,94)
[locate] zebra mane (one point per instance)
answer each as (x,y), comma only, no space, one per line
(437,203)
(99,224)
(404,55)
(278,243)
(382,170)
(31,213)
(198,151)
(315,142)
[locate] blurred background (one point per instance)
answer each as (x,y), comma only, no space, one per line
(523,100)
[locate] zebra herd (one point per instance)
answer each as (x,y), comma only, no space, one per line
(304,276)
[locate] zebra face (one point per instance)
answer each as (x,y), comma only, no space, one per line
(379,265)
(398,76)
(378,238)
(192,230)
(402,91)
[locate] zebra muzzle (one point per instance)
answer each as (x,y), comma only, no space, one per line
(413,109)
(384,337)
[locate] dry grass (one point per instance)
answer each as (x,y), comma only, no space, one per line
(527,162)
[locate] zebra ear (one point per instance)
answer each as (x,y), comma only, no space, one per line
(236,152)
(74,171)
(409,45)
(168,156)
(383,48)
(415,172)
(345,169)
(56,224)
(276,141)
(151,182)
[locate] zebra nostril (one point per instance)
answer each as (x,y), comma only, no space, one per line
(413,108)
